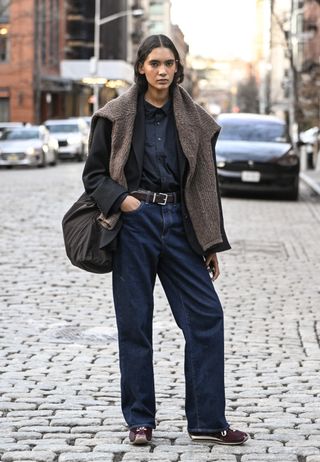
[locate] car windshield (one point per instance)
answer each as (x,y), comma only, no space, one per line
(253,131)
(63,128)
(20,134)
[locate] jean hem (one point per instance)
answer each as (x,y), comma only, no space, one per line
(207,430)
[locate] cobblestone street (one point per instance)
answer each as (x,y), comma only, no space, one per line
(59,387)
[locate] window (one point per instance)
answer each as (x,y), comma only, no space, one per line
(297,4)
(4,10)
(156,10)
(300,56)
(156,28)
(3,43)
(54,32)
(43,28)
(253,131)
(4,109)
(299,24)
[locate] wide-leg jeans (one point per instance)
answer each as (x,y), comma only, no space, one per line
(152,241)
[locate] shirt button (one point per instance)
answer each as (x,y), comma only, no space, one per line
(159,139)
(158,123)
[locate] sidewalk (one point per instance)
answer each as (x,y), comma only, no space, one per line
(312,179)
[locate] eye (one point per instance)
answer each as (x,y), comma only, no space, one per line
(154,63)
(169,63)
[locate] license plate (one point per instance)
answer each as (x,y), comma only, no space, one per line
(13,158)
(253,177)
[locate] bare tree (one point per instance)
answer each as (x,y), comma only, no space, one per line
(294,103)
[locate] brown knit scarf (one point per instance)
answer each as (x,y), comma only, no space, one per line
(195,130)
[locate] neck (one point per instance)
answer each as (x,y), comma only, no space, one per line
(156,98)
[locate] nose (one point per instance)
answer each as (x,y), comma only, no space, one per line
(162,69)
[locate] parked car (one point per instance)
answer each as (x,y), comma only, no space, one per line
(6,125)
(88,120)
(28,145)
(254,153)
(72,135)
(310,139)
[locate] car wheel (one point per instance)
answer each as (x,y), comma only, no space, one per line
(43,162)
(81,156)
(55,159)
(293,195)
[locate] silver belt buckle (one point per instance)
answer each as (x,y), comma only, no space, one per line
(165,199)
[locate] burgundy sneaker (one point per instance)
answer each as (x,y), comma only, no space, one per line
(140,435)
(228,437)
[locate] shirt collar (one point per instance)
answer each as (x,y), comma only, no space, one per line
(151,110)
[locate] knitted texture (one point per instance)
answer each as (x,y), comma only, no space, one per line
(196,129)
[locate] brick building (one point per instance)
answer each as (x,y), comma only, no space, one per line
(36,36)
(31,47)
(46,48)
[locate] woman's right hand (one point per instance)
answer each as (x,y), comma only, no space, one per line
(129,204)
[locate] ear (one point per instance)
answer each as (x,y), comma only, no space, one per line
(140,69)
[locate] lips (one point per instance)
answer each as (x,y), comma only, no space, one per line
(162,80)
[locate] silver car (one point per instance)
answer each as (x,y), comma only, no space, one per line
(72,135)
(30,146)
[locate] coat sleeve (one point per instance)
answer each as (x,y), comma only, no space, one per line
(96,176)
(224,245)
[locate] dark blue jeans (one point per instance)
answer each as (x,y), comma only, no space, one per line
(152,241)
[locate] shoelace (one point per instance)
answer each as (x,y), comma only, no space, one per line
(141,429)
(225,432)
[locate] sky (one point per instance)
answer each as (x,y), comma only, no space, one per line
(219,29)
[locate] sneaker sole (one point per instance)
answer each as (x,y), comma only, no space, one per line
(140,440)
(217,441)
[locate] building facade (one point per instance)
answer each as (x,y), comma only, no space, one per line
(38,36)
(47,49)
(99,76)
(290,66)
(159,19)
(30,86)
(310,66)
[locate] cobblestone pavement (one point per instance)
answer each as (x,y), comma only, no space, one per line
(59,388)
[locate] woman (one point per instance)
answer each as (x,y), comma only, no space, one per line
(152,163)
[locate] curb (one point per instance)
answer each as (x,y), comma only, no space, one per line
(310,182)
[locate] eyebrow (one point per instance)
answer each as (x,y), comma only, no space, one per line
(170,60)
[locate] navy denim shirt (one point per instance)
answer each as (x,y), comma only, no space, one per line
(160,171)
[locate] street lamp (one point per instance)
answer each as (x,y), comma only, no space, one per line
(98,21)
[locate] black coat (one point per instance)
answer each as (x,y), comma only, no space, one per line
(106,192)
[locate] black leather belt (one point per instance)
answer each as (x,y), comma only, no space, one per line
(157,198)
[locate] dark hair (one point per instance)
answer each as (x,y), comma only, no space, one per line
(145,48)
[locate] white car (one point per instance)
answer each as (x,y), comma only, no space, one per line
(30,146)
(72,135)
(311,140)
(7,125)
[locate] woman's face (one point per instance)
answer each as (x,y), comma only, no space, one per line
(159,68)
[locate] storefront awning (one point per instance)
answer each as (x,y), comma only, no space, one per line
(108,70)
(53,83)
